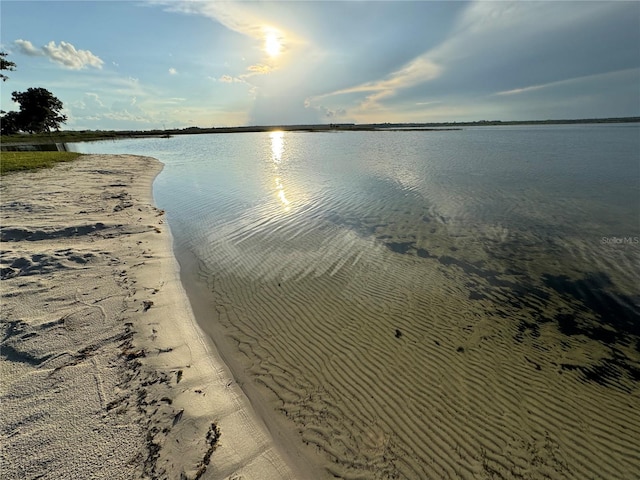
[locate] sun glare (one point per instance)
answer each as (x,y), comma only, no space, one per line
(272,44)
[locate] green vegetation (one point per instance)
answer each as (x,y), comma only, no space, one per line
(18,161)
(39,110)
(5,65)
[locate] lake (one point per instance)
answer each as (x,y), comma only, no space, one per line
(421,304)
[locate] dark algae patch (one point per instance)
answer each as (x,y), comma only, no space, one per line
(609,318)
(608,371)
(508,278)
(589,306)
(618,315)
(399,247)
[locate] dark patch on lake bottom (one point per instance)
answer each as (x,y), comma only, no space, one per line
(618,312)
(596,312)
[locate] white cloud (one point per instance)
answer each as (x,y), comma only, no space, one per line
(94,99)
(27,48)
(253,70)
(89,107)
(173,71)
(260,69)
(247,18)
(64,54)
(604,77)
(67,55)
(531,88)
(233,15)
(419,70)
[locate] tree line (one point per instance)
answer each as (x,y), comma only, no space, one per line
(40,111)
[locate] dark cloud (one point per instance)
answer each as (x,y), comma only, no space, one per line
(499,46)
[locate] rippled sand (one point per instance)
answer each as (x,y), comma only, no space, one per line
(396,357)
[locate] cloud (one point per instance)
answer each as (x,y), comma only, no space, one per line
(27,48)
(228,79)
(495,54)
(253,70)
(64,54)
(327,113)
(89,102)
(94,107)
(531,88)
(569,81)
(250,19)
(424,104)
(283,109)
(621,86)
(67,55)
(233,15)
(93,99)
(420,70)
(173,71)
(258,69)
(534,43)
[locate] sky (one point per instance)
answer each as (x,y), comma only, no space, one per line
(121,65)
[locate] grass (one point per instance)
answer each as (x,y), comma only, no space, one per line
(19,161)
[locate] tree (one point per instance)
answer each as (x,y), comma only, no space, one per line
(9,124)
(5,65)
(39,111)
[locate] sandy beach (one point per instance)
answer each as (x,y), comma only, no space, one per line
(105,373)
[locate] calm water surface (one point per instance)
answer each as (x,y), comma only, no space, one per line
(571,193)
(423,304)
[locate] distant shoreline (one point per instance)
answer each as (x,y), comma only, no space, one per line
(70,136)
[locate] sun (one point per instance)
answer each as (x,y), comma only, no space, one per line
(272,44)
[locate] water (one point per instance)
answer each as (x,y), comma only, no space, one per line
(441,304)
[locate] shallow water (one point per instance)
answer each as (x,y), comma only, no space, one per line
(453,304)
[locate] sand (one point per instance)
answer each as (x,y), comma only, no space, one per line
(391,357)
(104,371)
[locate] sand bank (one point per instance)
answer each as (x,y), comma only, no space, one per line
(105,373)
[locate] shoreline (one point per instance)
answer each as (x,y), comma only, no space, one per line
(106,373)
(305,460)
(71,136)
